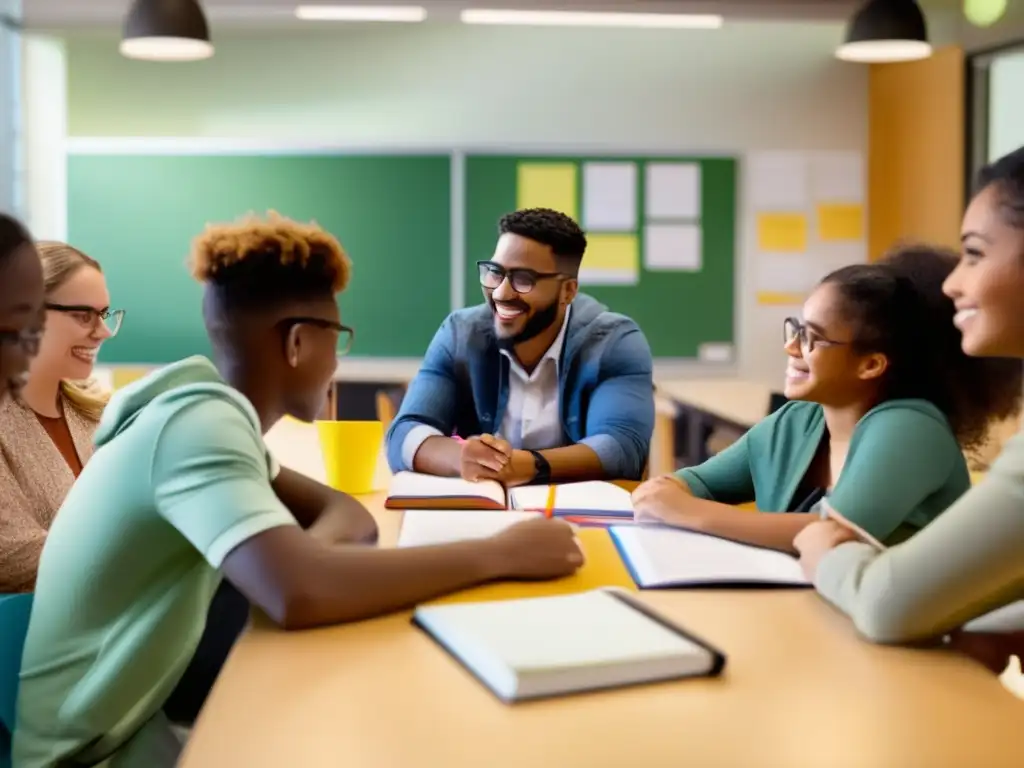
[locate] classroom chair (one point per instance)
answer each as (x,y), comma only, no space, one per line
(14,613)
(388,402)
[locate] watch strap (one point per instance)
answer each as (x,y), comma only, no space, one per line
(542,466)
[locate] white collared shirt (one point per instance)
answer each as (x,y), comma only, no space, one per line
(532,414)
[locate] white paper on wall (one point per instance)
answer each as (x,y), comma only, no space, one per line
(672,191)
(609,197)
(673,247)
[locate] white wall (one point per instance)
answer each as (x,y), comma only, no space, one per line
(1006,104)
(44,91)
(10,115)
(745,87)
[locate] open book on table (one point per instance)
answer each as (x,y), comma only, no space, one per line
(552,646)
(668,558)
(412,490)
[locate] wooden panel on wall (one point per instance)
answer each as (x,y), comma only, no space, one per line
(916,151)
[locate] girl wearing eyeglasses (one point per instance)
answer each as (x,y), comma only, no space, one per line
(971,560)
(883,405)
(46,431)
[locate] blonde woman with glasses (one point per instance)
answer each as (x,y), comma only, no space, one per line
(46,431)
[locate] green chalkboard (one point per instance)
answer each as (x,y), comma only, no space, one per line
(678,311)
(138,214)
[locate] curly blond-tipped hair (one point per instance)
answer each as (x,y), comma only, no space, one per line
(271,246)
(60,262)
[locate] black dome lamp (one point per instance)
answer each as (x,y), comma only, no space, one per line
(886,31)
(166,30)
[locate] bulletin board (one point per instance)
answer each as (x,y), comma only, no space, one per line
(661,236)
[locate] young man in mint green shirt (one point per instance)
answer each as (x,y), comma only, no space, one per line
(182,492)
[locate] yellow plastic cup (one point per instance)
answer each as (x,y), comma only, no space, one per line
(351,450)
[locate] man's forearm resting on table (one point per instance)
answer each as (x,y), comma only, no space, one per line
(436,454)
(575,462)
(763,529)
(301,583)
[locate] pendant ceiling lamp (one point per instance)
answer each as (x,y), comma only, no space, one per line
(886,30)
(166,30)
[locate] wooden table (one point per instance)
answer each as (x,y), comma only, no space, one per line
(705,404)
(800,691)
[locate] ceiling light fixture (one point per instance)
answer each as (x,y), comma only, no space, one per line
(166,30)
(590,19)
(886,31)
(406,13)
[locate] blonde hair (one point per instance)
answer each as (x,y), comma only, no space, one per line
(60,262)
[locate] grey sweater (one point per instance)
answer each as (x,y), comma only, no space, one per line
(967,562)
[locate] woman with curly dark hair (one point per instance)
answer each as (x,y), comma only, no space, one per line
(971,560)
(883,405)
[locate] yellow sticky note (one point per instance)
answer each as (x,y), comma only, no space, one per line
(122,377)
(611,260)
(780,298)
(547,185)
(782,232)
(840,222)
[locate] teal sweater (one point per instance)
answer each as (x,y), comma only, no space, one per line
(903,468)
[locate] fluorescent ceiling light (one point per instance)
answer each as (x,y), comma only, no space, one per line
(880,51)
(591,19)
(408,13)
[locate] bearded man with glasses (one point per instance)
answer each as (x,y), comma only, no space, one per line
(544,384)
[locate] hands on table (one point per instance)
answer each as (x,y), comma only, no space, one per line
(489,457)
(667,499)
(534,549)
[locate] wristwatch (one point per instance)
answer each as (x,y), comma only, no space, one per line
(543,475)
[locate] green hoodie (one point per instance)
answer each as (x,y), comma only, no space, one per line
(903,468)
(180,477)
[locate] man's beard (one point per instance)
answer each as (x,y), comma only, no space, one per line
(539,322)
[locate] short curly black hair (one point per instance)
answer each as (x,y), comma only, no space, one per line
(551,228)
(899,309)
(1006,177)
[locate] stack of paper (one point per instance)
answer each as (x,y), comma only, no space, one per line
(591,498)
(422,528)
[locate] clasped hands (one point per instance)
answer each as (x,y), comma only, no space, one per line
(489,457)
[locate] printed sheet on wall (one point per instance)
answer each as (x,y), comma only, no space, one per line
(808,219)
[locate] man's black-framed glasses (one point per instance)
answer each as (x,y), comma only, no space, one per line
(90,317)
(345,333)
(521,279)
(809,339)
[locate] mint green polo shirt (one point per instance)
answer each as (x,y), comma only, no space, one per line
(903,468)
(180,477)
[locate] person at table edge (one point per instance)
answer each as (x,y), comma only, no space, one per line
(544,382)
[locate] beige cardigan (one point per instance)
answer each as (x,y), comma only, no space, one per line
(34,479)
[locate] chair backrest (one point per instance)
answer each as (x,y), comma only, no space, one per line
(14,613)
(388,402)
